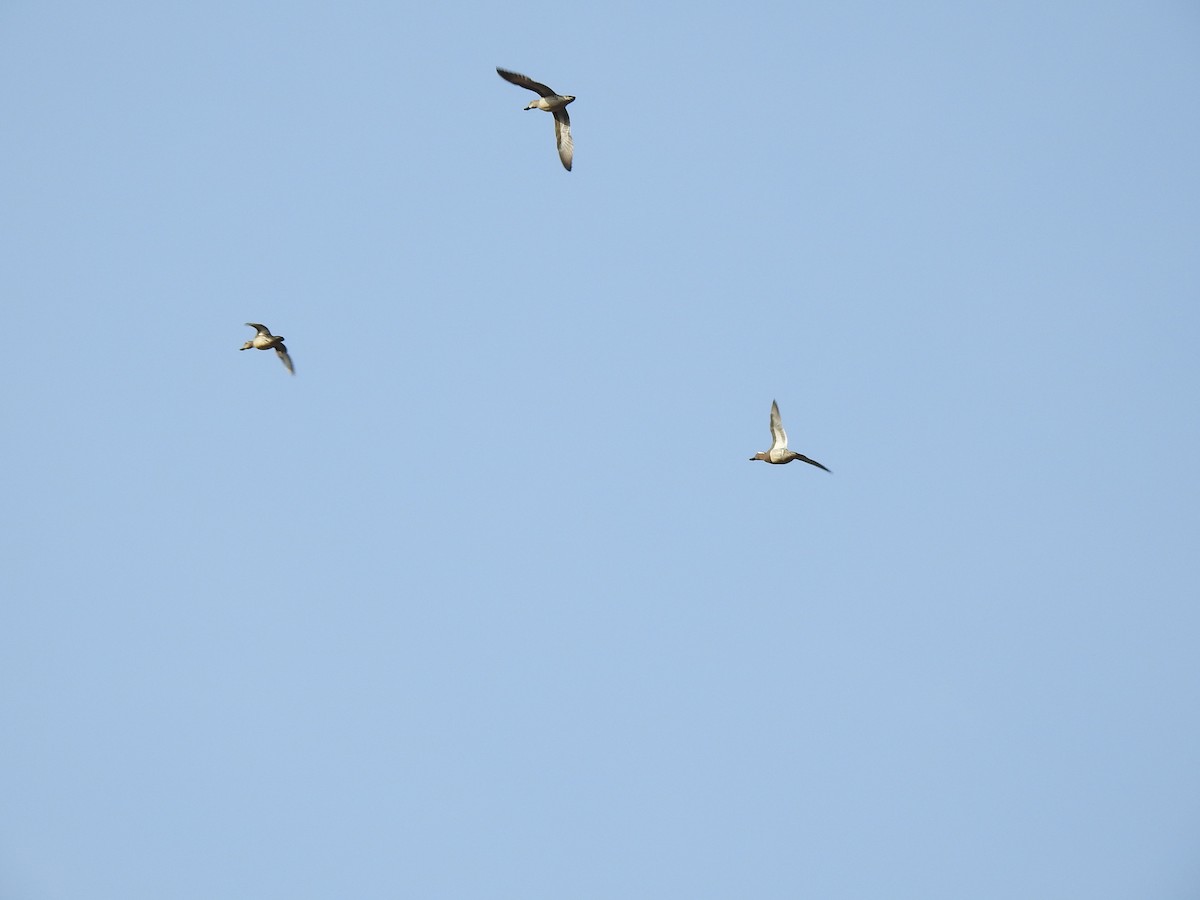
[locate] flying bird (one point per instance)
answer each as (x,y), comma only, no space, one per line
(264,340)
(779,454)
(551,102)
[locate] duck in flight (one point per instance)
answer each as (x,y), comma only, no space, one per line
(551,102)
(264,340)
(779,454)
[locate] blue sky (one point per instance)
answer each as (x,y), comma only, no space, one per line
(488,601)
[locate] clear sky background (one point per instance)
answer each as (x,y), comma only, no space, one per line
(487,601)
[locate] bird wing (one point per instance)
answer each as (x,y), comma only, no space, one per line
(562,134)
(281,352)
(778,435)
(811,462)
(262,329)
(525,81)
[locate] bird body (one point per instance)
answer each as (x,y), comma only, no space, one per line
(549,104)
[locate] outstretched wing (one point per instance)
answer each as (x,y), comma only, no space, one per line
(262,329)
(562,134)
(525,81)
(778,435)
(281,352)
(811,462)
